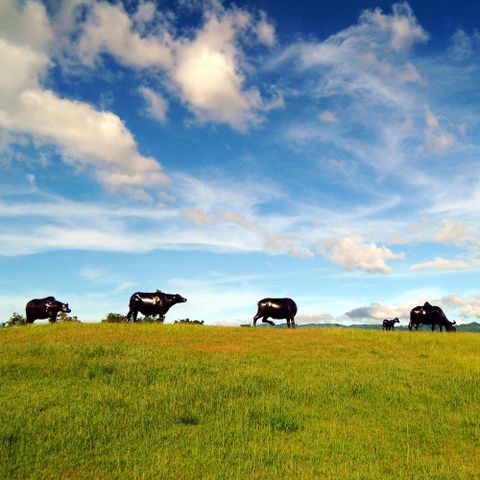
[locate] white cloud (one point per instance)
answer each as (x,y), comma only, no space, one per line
(437,139)
(239,219)
(145,12)
(156,105)
(328,117)
(207,70)
(468,306)
(353,254)
(464,45)
(314,318)
(289,245)
(84,135)
(439,263)
(198,217)
(208,74)
(266,33)
(380,312)
(402,26)
(453,232)
(26,27)
(368,75)
(109,29)
(410,74)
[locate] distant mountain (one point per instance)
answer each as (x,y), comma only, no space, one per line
(465,327)
(469,327)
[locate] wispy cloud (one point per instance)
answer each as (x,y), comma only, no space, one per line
(439,263)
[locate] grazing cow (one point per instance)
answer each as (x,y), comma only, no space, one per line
(430,315)
(46,307)
(390,324)
(157,303)
(277,308)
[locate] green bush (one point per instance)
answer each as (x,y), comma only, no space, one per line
(15,319)
(114,318)
(64,317)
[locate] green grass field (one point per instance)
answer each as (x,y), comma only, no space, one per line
(148,401)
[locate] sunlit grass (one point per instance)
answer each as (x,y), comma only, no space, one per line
(188,402)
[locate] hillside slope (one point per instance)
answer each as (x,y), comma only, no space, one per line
(107,401)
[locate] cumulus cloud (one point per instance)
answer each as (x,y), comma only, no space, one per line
(376,311)
(108,28)
(380,311)
(468,306)
(84,135)
(28,26)
(206,69)
(353,254)
(439,263)
(208,74)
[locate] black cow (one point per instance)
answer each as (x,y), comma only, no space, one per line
(47,307)
(277,308)
(157,303)
(430,315)
(390,324)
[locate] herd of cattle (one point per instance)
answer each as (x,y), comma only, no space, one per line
(159,303)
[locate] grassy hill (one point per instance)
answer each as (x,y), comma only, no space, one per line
(148,401)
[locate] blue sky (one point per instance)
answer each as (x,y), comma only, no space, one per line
(324,151)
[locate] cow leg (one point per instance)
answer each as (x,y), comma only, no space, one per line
(292,322)
(161,318)
(255,318)
(433,327)
(264,320)
(132,313)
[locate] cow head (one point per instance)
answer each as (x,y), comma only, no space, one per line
(451,327)
(179,299)
(396,320)
(65,308)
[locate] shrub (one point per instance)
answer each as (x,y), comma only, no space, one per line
(187,320)
(64,317)
(114,318)
(15,319)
